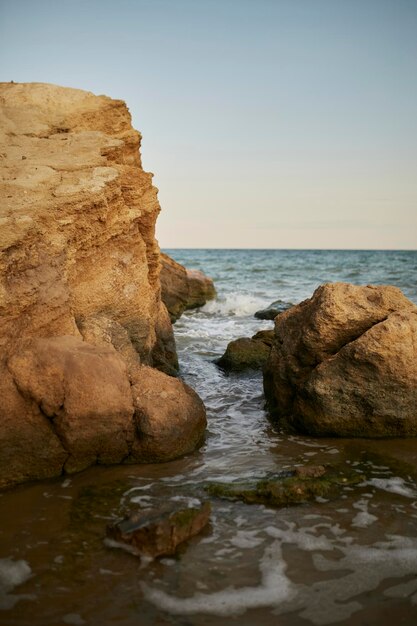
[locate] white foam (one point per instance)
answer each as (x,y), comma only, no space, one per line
(12,574)
(238,304)
(363,518)
(275,587)
(392,485)
(246,539)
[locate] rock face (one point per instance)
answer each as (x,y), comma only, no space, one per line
(344,363)
(80,302)
(245,353)
(183,289)
(159,533)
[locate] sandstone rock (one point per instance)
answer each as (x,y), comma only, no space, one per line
(271,311)
(83,391)
(170,417)
(77,219)
(183,289)
(201,289)
(80,305)
(67,404)
(158,533)
(344,363)
(245,353)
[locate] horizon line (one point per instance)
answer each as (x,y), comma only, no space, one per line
(294,249)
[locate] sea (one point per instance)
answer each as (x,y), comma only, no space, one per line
(347,560)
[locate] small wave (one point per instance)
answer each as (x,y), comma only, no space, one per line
(239,305)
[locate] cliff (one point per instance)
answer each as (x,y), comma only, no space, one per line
(80,301)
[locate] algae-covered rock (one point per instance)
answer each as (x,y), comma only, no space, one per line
(245,353)
(159,532)
(291,487)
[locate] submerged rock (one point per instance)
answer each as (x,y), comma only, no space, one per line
(292,487)
(245,353)
(156,533)
(274,309)
(344,363)
(183,289)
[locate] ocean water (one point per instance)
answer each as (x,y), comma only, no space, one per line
(350,560)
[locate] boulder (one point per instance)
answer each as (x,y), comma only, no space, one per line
(154,533)
(247,353)
(170,418)
(67,404)
(344,363)
(183,289)
(81,392)
(274,309)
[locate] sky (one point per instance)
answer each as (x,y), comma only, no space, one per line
(267,123)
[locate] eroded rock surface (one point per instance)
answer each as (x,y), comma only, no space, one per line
(156,533)
(183,289)
(344,363)
(80,305)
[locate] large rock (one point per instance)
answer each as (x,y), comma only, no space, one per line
(77,221)
(183,289)
(345,363)
(247,353)
(84,393)
(170,417)
(67,404)
(81,313)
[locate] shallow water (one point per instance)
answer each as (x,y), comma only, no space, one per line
(352,560)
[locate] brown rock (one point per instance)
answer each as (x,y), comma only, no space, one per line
(170,417)
(77,220)
(245,353)
(79,260)
(159,533)
(84,393)
(29,447)
(344,363)
(183,289)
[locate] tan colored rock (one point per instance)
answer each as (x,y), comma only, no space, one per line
(345,363)
(170,417)
(156,533)
(77,217)
(29,447)
(80,303)
(183,289)
(83,391)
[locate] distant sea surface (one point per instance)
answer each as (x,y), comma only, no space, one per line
(261,276)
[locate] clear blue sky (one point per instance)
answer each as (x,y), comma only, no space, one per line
(286,123)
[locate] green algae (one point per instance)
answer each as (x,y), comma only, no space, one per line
(286,490)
